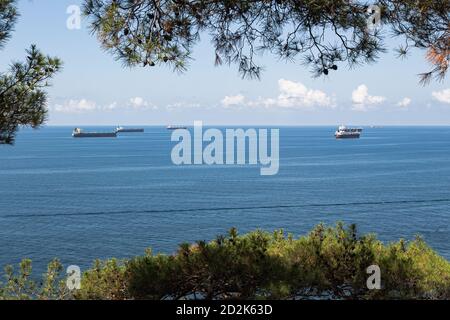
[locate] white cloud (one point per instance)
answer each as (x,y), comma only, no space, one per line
(362,101)
(292,95)
(140,103)
(230,101)
(297,95)
(76,106)
(182,105)
(404,103)
(82,106)
(111,106)
(442,96)
(85,106)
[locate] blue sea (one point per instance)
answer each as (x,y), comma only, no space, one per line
(83,199)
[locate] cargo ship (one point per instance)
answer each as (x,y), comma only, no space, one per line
(125,130)
(348,133)
(79,133)
(175,127)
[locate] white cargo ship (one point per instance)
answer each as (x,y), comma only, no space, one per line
(348,133)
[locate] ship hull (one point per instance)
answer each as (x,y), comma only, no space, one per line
(130,130)
(95,135)
(348,136)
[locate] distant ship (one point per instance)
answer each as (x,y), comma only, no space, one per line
(175,127)
(79,133)
(125,130)
(348,133)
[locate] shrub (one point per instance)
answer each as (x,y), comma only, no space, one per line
(20,286)
(328,263)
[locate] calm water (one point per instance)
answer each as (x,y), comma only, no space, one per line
(81,199)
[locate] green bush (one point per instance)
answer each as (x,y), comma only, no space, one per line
(105,281)
(328,263)
(20,286)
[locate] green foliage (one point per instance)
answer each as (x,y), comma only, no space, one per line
(230,267)
(422,24)
(21,286)
(106,280)
(319,33)
(8,16)
(140,32)
(22,96)
(328,263)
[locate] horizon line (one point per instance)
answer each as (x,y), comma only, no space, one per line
(251,124)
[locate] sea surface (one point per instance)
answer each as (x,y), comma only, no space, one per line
(83,199)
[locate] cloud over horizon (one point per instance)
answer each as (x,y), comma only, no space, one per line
(139,103)
(363,101)
(181,105)
(79,106)
(442,96)
(404,103)
(292,95)
(236,100)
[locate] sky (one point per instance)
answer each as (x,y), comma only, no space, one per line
(95,89)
